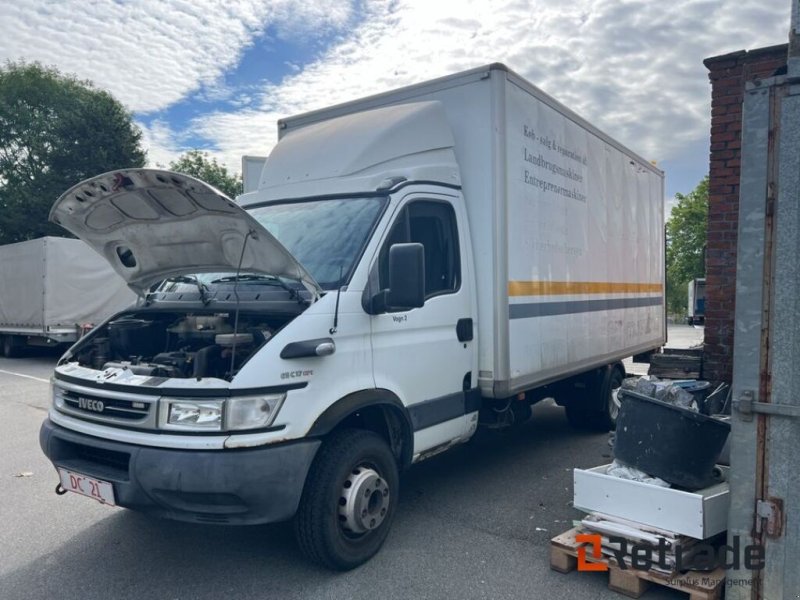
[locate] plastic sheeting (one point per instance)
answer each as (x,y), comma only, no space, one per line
(669,391)
(623,471)
(57,283)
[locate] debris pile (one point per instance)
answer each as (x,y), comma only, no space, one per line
(669,391)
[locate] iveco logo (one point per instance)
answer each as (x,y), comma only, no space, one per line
(90,404)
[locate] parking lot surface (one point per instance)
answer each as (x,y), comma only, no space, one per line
(474,522)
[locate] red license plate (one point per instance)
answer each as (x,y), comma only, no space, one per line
(102,491)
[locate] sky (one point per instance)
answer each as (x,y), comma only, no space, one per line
(217,74)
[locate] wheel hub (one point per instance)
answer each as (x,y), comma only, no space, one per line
(364,501)
(614,403)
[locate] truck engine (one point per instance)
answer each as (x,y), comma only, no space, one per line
(169,344)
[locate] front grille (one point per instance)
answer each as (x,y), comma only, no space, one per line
(106,406)
(131,410)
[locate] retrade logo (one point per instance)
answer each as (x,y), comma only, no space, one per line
(642,557)
(597,553)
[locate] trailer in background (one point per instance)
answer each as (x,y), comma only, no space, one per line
(52,290)
(696,305)
(251,172)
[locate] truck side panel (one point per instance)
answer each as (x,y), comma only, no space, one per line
(585,246)
(22,292)
(56,284)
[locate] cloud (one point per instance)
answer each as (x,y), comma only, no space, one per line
(152,53)
(633,68)
(162,143)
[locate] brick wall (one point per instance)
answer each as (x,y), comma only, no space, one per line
(728,74)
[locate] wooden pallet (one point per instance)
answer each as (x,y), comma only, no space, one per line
(634,583)
(675,366)
(697,352)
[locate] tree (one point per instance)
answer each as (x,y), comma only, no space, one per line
(206,168)
(55,131)
(686,240)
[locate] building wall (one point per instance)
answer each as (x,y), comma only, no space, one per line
(728,74)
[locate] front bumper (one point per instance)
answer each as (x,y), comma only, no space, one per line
(238,487)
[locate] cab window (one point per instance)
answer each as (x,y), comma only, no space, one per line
(432,224)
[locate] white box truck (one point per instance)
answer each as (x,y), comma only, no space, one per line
(51,289)
(412,265)
(696,302)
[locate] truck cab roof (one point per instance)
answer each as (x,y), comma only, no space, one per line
(359,152)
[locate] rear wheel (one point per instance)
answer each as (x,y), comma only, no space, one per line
(11,346)
(349,500)
(580,414)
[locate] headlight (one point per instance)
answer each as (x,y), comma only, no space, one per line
(252,412)
(194,415)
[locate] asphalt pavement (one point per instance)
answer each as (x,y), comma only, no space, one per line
(474,522)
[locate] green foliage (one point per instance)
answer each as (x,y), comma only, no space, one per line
(55,131)
(206,168)
(686,239)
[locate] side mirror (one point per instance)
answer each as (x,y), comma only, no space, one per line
(406,277)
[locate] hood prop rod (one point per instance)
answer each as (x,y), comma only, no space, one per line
(236,295)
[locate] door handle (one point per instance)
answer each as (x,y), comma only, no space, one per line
(464,330)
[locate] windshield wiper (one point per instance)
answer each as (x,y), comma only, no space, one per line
(247,277)
(268,279)
(201,287)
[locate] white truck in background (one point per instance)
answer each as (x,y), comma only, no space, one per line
(696,302)
(412,265)
(252,166)
(50,289)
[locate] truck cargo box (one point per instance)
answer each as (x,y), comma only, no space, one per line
(51,286)
(567,227)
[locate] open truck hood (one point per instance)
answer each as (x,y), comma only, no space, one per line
(151,224)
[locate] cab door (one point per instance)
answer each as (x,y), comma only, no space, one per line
(427,355)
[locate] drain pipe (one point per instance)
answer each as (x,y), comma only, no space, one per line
(794,42)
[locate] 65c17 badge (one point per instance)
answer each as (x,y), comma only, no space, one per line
(296,374)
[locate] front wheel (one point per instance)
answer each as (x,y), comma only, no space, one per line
(349,500)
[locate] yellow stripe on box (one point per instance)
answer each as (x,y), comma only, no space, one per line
(563,288)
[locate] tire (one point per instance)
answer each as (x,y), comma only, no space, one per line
(336,526)
(580,416)
(11,347)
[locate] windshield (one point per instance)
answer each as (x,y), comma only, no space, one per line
(325,236)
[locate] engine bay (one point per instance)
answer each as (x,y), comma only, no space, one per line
(179,345)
